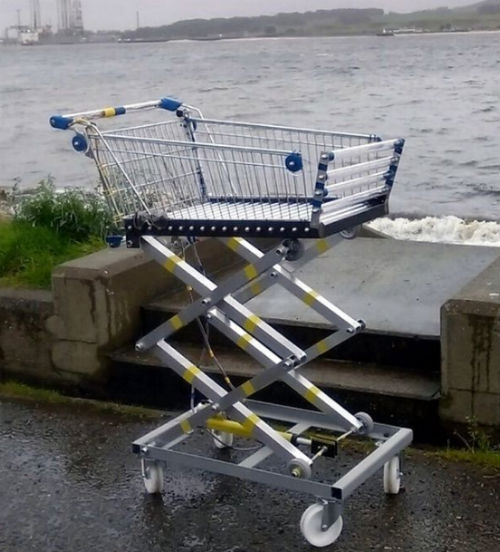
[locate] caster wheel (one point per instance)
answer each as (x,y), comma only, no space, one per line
(310,527)
(367,422)
(222,439)
(350,233)
(153,478)
(299,468)
(392,476)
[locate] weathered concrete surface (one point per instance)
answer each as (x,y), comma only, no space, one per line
(97,301)
(470,345)
(70,482)
(395,286)
(25,346)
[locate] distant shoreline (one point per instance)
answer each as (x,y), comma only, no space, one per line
(253,38)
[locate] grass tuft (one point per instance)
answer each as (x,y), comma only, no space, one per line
(28,254)
(74,213)
(21,391)
(50,228)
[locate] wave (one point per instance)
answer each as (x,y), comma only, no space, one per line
(448,229)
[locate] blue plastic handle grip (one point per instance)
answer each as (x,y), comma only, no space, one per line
(58,121)
(170,104)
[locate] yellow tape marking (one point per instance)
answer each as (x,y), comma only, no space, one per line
(251,422)
(176,322)
(251,323)
(310,297)
(234,243)
(250,272)
(186,426)
(191,373)
(171,263)
(311,394)
(109,112)
(322,346)
(248,388)
(256,288)
(322,246)
(244,341)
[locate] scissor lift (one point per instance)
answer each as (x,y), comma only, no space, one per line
(305,189)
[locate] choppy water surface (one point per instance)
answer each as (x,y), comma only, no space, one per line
(440,92)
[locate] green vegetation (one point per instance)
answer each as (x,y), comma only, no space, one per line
(20,391)
(49,228)
(76,214)
(486,458)
(480,449)
(483,15)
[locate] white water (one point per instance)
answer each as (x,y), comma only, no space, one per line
(448,229)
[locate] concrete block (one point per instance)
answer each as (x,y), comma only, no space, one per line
(76,357)
(471,354)
(470,348)
(486,408)
(74,304)
(461,406)
(25,346)
(98,300)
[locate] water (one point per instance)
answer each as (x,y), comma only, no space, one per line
(440,92)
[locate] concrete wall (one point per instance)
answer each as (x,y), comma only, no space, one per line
(25,345)
(97,301)
(94,308)
(470,349)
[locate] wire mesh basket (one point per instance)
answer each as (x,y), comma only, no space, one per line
(207,177)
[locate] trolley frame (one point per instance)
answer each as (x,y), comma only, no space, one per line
(359,191)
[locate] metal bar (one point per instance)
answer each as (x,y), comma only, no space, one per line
(203,286)
(342,154)
(201,145)
(318,398)
(100,113)
(369,137)
(265,281)
(151,438)
(301,290)
(347,185)
(257,475)
(299,383)
(263,453)
(360,197)
(243,339)
(342,172)
(314,418)
(347,484)
(214,392)
(200,416)
(204,303)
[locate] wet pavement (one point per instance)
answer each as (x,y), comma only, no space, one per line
(69,481)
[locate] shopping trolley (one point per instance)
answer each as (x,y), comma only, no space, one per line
(191,178)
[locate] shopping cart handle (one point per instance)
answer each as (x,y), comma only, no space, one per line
(60,121)
(170,104)
(63,122)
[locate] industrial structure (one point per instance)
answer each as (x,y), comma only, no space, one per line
(69,25)
(35,14)
(69,16)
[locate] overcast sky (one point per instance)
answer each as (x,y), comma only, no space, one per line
(121,14)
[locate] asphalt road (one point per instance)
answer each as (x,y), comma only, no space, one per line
(69,482)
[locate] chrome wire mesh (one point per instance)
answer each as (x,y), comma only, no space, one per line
(231,171)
